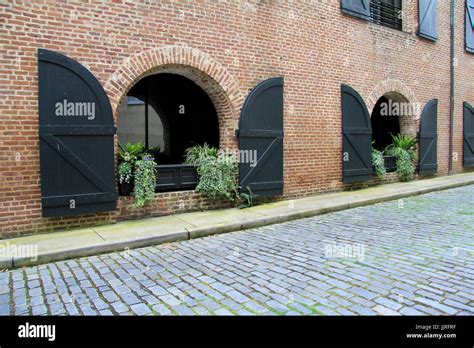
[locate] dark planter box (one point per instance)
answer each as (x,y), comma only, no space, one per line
(390,163)
(172,177)
(125,189)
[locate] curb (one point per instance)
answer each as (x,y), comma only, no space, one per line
(199,232)
(96,249)
(263,221)
(6,263)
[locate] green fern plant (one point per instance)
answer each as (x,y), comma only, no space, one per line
(130,152)
(402,142)
(199,154)
(403,147)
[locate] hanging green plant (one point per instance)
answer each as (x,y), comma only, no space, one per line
(217,172)
(125,172)
(378,163)
(144,181)
(217,177)
(405,166)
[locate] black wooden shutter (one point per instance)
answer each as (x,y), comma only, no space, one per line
(357,8)
(261,135)
(468,143)
(428,19)
(356,137)
(469,26)
(427,138)
(76,129)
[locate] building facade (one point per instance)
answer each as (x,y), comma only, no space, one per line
(318,52)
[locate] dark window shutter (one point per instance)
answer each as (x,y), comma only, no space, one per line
(76,129)
(357,137)
(469,26)
(261,135)
(468,135)
(357,8)
(428,19)
(427,138)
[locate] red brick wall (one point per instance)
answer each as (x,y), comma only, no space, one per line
(168,203)
(227,48)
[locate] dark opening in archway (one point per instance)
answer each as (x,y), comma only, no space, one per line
(171,112)
(168,113)
(384,123)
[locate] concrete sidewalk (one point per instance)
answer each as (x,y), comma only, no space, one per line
(138,233)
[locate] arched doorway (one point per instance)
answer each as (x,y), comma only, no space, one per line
(168,113)
(384,124)
(391,115)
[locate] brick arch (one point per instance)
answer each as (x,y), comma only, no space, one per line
(223,88)
(399,92)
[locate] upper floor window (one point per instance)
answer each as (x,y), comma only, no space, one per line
(384,12)
(387,12)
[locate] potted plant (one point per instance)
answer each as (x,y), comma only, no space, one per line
(137,173)
(128,156)
(403,148)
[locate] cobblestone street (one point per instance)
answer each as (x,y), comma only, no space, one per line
(410,257)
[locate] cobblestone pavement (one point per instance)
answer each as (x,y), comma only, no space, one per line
(413,256)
